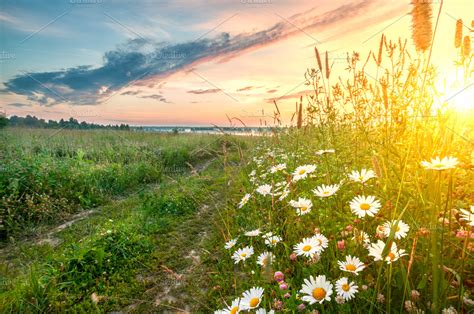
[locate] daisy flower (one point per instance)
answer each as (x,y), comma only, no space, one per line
(351,264)
(360,236)
(302,172)
(263,311)
(252,298)
(440,164)
(316,290)
(265,189)
(242,254)
(234,308)
(400,231)
(308,247)
(468,216)
(365,205)
(326,190)
(244,200)
(252,233)
(265,258)
(363,176)
(325,151)
(272,241)
(322,242)
(277,168)
(284,194)
(346,289)
(302,206)
(376,250)
(230,244)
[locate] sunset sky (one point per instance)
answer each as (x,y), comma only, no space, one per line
(188,62)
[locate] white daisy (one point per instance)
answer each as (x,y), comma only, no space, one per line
(302,206)
(265,259)
(362,176)
(284,194)
(267,234)
(272,241)
(244,200)
(307,247)
(252,298)
(351,264)
(316,290)
(277,168)
(230,244)
(360,237)
(234,308)
(326,190)
(440,164)
(376,250)
(365,206)
(302,172)
(252,233)
(346,289)
(242,254)
(322,242)
(265,189)
(325,151)
(468,216)
(400,231)
(263,311)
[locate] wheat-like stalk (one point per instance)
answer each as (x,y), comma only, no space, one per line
(466,47)
(421,25)
(458,34)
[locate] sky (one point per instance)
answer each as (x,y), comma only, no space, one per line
(188,62)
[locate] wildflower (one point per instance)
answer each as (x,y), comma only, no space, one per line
(242,254)
(307,247)
(283,286)
(400,231)
(352,265)
(301,307)
(284,194)
(326,190)
(449,310)
(265,258)
(265,189)
(293,257)
(365,206)
(349,228)
(278,305)
(341,245)
(468,216)
(365,287)
(316,290)
(346,289)
(272,241)
(423,232)
(340,299)
(302,172)
(279,276)
(440,164)
(322,242)
(363,176)
(252,298)
(415,295)
(380,298)
(361,237)
(235,307)
(325,151)
(287,295)
(277,168)
(244,200)
(230,244)
(376,250)
(253,233)
(302,206)
(380,231)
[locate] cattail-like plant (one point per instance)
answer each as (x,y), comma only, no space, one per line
(458,34)
(421,25)
(318,58)
(379,57)
(466,47)
(328,70)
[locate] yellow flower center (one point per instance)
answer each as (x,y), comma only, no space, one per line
(350,267)
(319,293)
(306,248)
(234,310)
(274,241)
(243,254)
(365,206)
(326,192)
(304,208)
(398,229)
(254,302)
(302,171)
(345,287)
(361,178)
(391,256)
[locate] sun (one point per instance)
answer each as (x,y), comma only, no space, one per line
(455,93)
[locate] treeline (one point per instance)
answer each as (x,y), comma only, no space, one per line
(34,122)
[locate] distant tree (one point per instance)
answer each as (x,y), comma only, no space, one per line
(71,123)
(3,121)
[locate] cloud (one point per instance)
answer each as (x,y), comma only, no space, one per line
(204,91)
(290,96)
(157,97)
(140,59)
(247,88)
(19,105)
(271,91)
